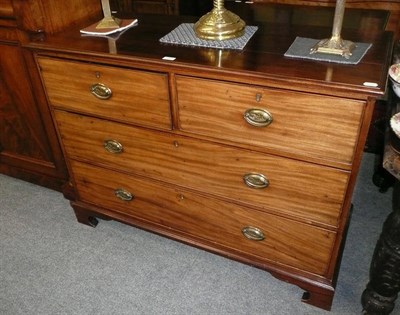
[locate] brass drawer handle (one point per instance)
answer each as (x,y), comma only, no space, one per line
(123,194)
(258,117)
(257,181)
(253,233)
(113,146)
(101,91)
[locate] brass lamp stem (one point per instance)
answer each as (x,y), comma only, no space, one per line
(106,8)
(336,45)
(218,4)
(338,18)
(219,24)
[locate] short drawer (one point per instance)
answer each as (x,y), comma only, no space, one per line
(285,241)
(271,183)
(306,125)
(131,96)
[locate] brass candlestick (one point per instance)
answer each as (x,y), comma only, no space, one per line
(108,21)
(219,24)
(336,45)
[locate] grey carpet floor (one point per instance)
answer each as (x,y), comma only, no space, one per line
(50,264)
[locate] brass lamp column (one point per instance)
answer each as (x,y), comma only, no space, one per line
(336,45)
(219,24)
(108,21)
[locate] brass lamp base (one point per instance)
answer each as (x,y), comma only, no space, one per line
(219,24)
(109,22)
(336,46)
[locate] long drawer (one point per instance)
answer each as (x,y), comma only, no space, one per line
(303,190)
(303,124)
(132,96)
(285,241)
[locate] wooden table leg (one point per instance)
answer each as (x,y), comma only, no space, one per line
(380,295)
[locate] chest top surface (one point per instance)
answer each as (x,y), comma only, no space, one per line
(261,61)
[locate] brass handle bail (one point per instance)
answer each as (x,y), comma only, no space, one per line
(252,233)
(123,194)
(113,146)
(258,117)
(255,180)
(101,91)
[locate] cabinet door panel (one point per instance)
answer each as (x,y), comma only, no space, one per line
(22,136)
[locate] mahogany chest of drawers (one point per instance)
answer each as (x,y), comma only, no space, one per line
(247,154)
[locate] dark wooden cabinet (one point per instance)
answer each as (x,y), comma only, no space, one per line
(146,6)
(392,6)
(25,145)
(29,148)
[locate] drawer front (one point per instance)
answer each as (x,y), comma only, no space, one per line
(294,188)
(136,97)
(286,241)
(296,123)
